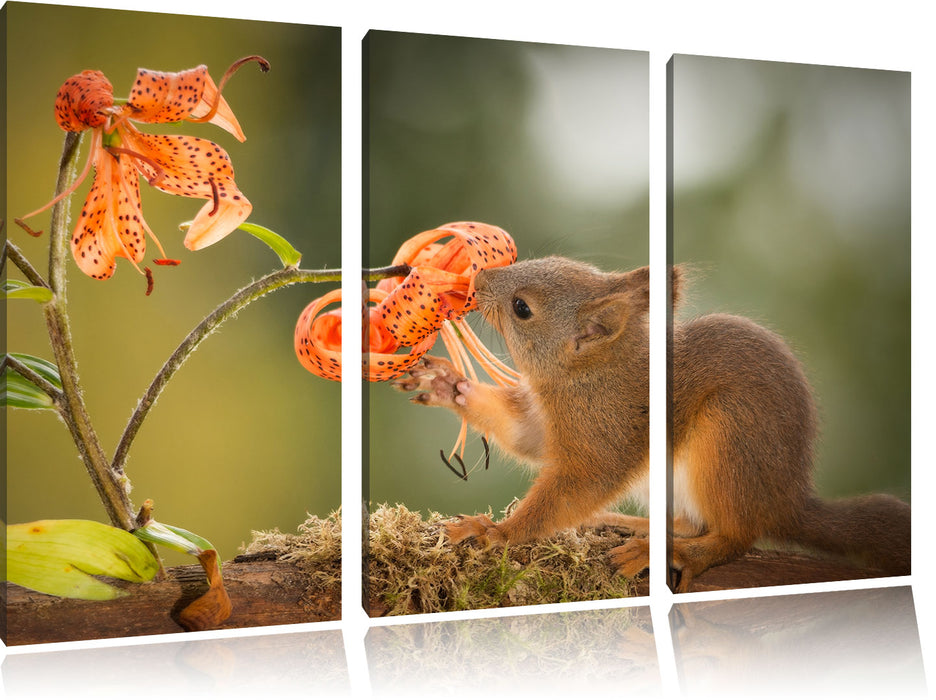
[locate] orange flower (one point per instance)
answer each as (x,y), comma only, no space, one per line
(409,313)
(403,316)
(317,342)
(111,223)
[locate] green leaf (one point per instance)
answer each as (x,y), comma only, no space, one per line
(61,558)
(289,256)
(46,369)
(18,392)
(173,537)
(17,289)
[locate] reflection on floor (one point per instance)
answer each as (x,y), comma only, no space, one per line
(835,644)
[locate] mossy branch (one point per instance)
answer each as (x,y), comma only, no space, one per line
(412,568)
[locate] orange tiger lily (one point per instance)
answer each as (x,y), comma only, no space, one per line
(410,313)
(111,223)
(317,342)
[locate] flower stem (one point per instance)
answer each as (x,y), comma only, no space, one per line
(379,273)
(111,487)
(240,299)
(273,281)
(11,251)
(34,377)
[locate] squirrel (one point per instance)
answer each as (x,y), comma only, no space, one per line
(742,424)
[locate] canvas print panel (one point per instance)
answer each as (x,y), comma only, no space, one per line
(504,182)
(241,446)
(790,338)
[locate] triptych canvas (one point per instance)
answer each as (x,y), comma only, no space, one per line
(178,186)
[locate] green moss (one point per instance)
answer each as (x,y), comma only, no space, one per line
(315,548)
(412,568)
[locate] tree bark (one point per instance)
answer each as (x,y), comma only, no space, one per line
(262,591)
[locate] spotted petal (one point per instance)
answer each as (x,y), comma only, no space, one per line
(382,362)
(159,97)
(84,101)
(419,305)
(473,246)
(111,224)
(317,339)
(192,167)
(216,219)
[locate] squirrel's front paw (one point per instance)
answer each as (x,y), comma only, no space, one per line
(631,558)
(437,380)
(479,528)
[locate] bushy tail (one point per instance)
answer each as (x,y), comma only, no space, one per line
(873,529)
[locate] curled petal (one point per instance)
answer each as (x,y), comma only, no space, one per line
(317,339)
(418,306)
(191,167)
(381,362)
(474,246)
(217,218)
(84,101)
(182,165)
(223,115)
(376,337)
(159,97)
(111,224)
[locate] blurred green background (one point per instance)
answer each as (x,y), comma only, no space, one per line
(550,143)
(243,438)
(792,199)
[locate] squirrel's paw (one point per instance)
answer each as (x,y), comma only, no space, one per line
(437,380)
(631,558)
(479,528)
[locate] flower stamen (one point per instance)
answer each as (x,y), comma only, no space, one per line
(215,197)
(264,66)
(160,171)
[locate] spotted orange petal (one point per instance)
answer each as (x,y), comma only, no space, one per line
(159,97)
(84,101)
(381,362)
(474,246)
(317,342)
(111,223)
(216,219)
(418,306)
(191,167)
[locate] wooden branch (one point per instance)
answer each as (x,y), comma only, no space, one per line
(760,568)
(263,592)
(412,569)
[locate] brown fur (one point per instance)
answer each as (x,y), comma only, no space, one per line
(742,422)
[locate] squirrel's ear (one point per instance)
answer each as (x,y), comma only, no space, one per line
(601,321)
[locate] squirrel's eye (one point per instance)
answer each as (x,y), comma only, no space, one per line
(521,309)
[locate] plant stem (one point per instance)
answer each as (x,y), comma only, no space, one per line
(111,487)
(28,373)
(11,251)
(240,299)
(379,273)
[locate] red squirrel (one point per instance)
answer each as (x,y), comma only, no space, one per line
(742,425)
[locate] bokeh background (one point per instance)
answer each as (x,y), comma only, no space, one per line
(243,438)
(791,198)
(548,142)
